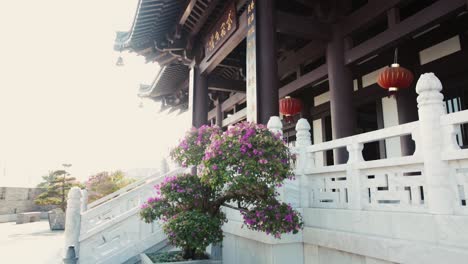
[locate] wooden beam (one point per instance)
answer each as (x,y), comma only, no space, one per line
(310,52)
(221,84)
(228,104)
(188,9)
(232,63)
(425,17)
(301,27)
(236,117)
(207,66)
(365,15)
(304,80)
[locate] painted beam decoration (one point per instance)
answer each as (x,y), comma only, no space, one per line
(251,64)
(222,30)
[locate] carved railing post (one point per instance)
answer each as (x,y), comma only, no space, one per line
(304,161)
(73,220)
(164,166)
(440,192)
(353,175)
(275,125)
(84,200)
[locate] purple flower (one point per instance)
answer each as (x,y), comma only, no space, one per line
(288,218)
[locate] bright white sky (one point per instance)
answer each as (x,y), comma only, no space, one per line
(62,99)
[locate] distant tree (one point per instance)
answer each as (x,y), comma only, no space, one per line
(56,186)
(104,183)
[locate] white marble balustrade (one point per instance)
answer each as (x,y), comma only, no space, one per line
(110,229)
(434,179)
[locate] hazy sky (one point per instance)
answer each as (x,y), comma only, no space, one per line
(62,99)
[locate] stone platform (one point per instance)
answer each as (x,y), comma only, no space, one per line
(30,243)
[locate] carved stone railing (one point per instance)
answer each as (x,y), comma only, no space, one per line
(434,179)
(110,230)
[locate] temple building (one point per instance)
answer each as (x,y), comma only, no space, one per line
(227,61)
(371,96)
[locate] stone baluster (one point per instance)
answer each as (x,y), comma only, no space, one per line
(84,200)
(164,166)
(73,220)
(305,160)
(353,175)
(439,185)
(275,125)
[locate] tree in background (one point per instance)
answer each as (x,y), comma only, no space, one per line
(104,183)
(56,186)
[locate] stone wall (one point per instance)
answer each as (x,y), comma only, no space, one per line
(15,200)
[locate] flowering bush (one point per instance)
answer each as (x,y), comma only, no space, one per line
(191,148)
(273,218)
(246,155)
(242,166)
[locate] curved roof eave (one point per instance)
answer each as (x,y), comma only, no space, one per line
(123,37)
(153,19)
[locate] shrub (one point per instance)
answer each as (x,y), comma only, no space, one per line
(240,169)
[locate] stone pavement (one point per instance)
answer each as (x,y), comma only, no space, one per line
(30,243)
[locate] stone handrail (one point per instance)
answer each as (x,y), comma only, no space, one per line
(111,230)
(125,201)
(432,180)
(122,191)
(381,134)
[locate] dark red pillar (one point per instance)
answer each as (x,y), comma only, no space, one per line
(219,113)
(343,115)
(199,97)
(267,66)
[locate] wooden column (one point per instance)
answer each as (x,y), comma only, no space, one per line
(198,87)
(219,113)
(343,115)
(267,67)
(407,98)
(407,112)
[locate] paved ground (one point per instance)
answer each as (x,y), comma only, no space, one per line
(30,243)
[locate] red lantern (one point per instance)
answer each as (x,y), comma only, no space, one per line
(290,106)
(394,78)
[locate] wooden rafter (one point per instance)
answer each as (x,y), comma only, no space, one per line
(204,17)
(187,10)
